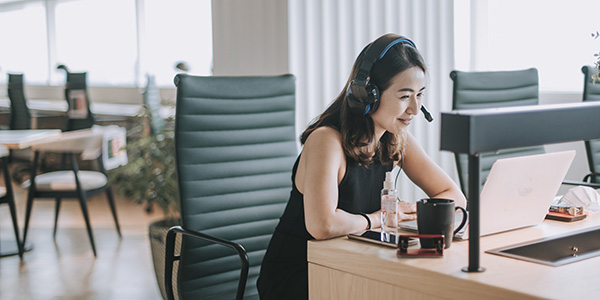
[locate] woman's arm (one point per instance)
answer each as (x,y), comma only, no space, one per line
(428,175)
(320,170)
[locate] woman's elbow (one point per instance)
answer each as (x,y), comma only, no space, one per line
(320,231)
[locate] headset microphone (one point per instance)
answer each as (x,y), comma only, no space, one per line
(426,113)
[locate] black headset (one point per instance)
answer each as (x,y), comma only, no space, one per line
(363,96)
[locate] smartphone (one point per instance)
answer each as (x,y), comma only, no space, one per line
(375,237)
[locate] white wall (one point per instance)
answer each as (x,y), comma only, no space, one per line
(250,37)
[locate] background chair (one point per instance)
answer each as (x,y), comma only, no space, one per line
(235,147)
(20,119)
(70,183)
(473,90)
(20,116)
(591,92)
(79,115)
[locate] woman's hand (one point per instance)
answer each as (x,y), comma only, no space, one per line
(406,211)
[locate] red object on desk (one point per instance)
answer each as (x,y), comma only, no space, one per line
(565,217)
(403,250)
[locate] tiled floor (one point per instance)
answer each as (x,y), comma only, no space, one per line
(65,267)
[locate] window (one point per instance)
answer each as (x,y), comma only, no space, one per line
(177,30)
(552,36)
(98,37)
(117,42)
(24,44)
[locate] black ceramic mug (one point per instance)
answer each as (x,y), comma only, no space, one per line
(436,216)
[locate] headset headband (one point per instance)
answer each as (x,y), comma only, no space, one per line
(377,51)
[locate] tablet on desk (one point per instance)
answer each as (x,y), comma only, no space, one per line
(374,237)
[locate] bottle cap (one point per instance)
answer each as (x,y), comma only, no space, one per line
(388,184)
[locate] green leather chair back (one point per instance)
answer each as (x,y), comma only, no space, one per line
(473,90)
(235,148)
(591,92)
(20,116)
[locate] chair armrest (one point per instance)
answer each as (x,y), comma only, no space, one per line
(588,177)
(583,183)
(170,257)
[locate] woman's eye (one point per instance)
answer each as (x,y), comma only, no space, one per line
(419,95)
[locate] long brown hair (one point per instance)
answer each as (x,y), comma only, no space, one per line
(357,132)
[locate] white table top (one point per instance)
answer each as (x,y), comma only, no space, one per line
(20,139)
(113,109)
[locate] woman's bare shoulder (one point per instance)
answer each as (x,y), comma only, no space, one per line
(324,136)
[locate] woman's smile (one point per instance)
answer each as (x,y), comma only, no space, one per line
(405,121)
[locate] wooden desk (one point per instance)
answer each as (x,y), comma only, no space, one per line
(348,269)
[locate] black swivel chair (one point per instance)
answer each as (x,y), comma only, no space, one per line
(235,147)
(79,115)
(591,92)
(472,90)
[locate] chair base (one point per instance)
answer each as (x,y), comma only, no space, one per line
(9,248)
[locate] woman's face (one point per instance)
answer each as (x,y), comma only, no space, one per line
(400,102)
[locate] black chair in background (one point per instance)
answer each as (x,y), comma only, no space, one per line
(235,146)
(70,182)
(473,90)
(20,116)
(591,92)
(20,119)
(79,115)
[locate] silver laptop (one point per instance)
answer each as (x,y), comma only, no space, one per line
(517,193)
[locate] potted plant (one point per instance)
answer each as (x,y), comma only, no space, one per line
(597,62)
(150,179)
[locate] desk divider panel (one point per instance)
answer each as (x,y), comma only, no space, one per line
(477,131)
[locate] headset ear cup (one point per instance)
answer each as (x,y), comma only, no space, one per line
(366,106)
(372,99)
(357,105)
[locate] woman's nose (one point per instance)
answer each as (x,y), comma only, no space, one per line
(413,106)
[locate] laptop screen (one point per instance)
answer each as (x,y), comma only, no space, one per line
(518,192)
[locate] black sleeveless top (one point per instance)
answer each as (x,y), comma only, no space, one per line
(284,271)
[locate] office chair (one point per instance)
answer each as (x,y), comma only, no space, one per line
(71,182)
(473,90)
(235,146)
(591,92)
(79,115)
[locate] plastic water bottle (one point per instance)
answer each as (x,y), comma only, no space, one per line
(389,208)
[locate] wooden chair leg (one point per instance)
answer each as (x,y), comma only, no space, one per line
(113,208)
(56,210)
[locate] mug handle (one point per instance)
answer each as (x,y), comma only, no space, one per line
(464,219)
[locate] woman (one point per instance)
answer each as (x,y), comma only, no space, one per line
(338,177)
